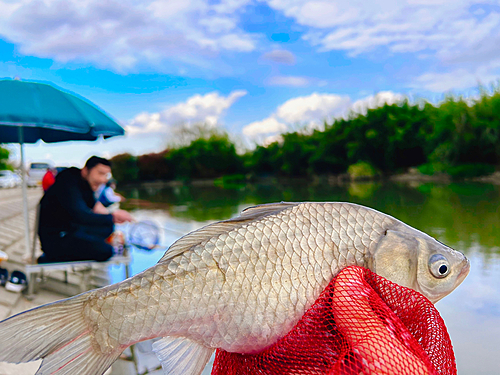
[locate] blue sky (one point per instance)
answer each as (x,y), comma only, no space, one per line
(254,67)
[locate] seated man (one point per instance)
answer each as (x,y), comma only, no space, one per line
(72,225)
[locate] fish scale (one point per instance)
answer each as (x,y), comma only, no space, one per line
(274,267)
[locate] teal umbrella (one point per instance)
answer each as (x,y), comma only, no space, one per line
(31,111)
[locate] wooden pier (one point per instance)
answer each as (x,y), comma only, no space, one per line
(58,286)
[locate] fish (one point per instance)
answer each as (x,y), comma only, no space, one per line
(238,285)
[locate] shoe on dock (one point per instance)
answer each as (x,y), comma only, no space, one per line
(17,282)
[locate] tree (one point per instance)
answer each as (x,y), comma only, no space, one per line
(4,159)
(124,167)
(210,157)
(155,166)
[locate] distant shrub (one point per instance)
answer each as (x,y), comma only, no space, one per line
(4,159)
(155,166)
(362,170)
(124,167)
(471,170)
(206,158)
(234,181)
(431,168)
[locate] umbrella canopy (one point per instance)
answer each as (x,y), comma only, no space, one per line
(49,114)
(31,111)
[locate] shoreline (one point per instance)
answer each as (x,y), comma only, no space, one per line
(341,179)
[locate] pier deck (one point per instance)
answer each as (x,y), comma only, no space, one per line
(12,242)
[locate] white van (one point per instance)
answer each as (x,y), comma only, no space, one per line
(36,173)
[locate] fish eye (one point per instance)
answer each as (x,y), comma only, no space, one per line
(439,266)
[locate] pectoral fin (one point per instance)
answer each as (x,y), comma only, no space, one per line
(181,356)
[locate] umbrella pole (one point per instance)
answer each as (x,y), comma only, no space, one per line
(25,197)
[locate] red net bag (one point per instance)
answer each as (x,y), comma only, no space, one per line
(360,324)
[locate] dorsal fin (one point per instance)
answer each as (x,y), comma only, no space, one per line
(249,214)
(259,211)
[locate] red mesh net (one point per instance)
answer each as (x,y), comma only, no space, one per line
(360,324)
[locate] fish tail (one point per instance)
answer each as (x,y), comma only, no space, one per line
(56,333)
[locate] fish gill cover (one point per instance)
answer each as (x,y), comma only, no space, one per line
(361,324)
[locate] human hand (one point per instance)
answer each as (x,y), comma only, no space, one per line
(100,209)
(121,216)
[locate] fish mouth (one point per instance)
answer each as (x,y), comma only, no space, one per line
(464,272)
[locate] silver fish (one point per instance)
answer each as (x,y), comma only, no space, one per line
(239,285)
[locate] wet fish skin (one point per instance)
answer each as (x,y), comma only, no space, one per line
(242,284)
(239,290)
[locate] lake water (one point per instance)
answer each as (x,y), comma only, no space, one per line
(465,216)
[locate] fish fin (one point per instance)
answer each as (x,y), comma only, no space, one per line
(261,210)
(56,333)
(181,356)
(249,214)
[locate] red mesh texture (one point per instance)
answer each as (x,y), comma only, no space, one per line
(360,324)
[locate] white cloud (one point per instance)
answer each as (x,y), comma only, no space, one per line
(375,101)
(124,34)
(145,123)
(324,14)
(7,8)
(441,82)
(171,35)
(271,139)
(460,35)
(169,10)
(219,24)
(450,29)
(290,81)
(457,79)
(313,108)
(312,111)
(207,109)
(236,42)
(295,81)
(268,126)
(479,12)
(264,132)
(230,6)
(280,56)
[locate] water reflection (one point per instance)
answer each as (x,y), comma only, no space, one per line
(458,214)
(363,190)
(462,215)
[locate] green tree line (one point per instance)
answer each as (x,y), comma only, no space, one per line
(4,159)
(458,136)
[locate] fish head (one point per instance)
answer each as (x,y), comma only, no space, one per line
(415,260)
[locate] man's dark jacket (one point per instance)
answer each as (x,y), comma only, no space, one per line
(66,208)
